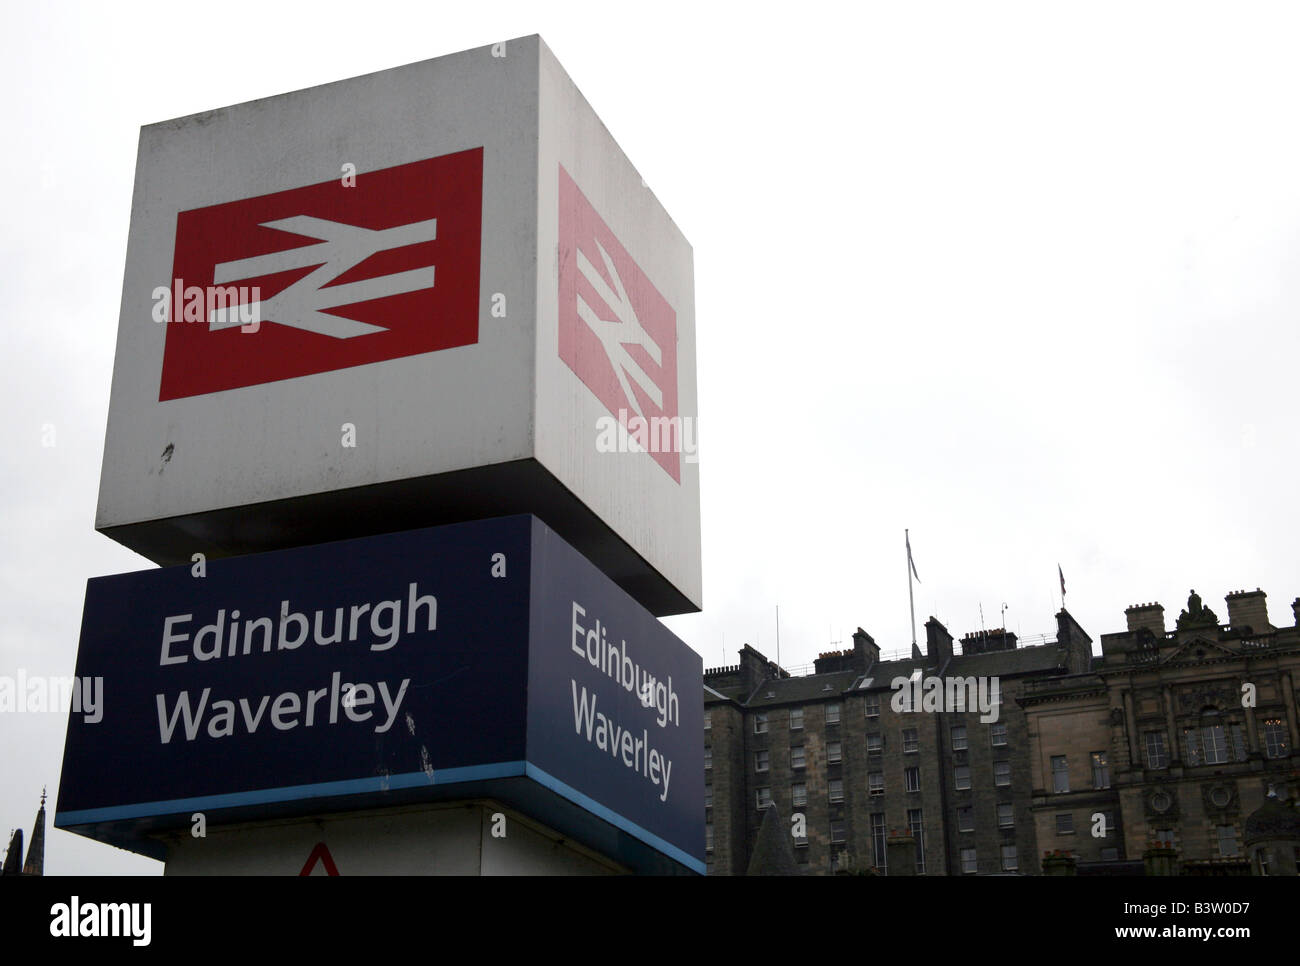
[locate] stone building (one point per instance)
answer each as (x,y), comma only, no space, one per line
(839,754)
(1173,737)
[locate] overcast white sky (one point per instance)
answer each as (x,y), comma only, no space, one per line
(1020,277)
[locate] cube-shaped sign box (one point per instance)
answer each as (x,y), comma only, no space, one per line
(433,294)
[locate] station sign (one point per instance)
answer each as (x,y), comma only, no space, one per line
(485,659)
(428,295)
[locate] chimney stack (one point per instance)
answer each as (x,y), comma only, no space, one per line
(1247,608)
(938,643)
(1150,616)
(866,651)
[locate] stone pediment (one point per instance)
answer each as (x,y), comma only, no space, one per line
(1197,648)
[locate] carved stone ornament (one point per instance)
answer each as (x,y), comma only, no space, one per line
(1196,615)
(1194,699)
(1219,797)
(1160,804)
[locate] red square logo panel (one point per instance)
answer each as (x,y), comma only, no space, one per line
(617,332)
(325,277)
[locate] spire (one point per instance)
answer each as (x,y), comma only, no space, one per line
(773,854)
(14,857)
(35,864)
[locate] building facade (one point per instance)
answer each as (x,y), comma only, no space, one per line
(1171,740)
(865,752)
(1171,753)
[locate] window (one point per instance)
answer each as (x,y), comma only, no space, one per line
(760,723)
(998,734)
(761,760)
(913,684)
(916,826)
(1060,774)
(708,838)
(876,783)
(1100,770)
(1275,744)
(1156,756)
(708,720)
(959,738)
(796,719)
(1238,738)
(995,691)
(1262,856)
(878,840)
(969,864)
(1108,827)
(797,756)
(1006,815)
(799,793)
(832,714)
(873,705)
(909,741)
(835,787)
(708,757)
(1227,840)
(1002,773)
(763,797)
(1065,823)
(874,744)
(1192,745)
(1165,835)
(962,775)
(1009,858)
(832,752)
(1214,744)
(912,779)
(708,796)
(966,819)
(837,830)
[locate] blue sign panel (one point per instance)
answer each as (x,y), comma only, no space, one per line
(450,662)
(615,703)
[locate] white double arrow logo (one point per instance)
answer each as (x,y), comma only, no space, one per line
(615,335)
(341,248)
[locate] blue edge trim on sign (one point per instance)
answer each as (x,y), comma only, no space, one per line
(357,786)
(599,810)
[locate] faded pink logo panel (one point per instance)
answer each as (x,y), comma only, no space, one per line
(617,332)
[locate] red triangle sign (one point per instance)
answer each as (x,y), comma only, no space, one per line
(323,855)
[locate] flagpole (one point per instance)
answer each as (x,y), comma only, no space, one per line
(911,605)
(778,636)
